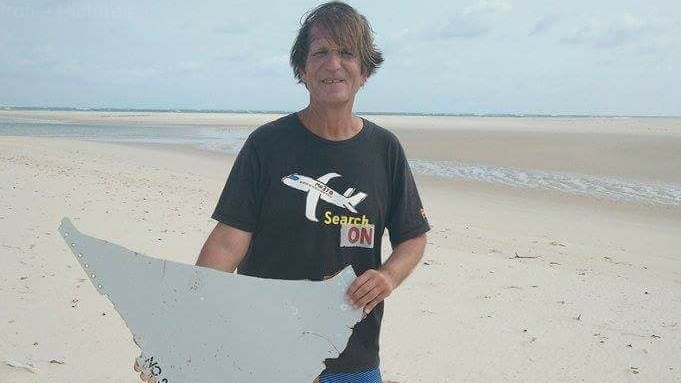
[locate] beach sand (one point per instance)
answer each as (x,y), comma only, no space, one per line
(515,286)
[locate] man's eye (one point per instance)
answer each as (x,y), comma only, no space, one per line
(347,53)
(319,53)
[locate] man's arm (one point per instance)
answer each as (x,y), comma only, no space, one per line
(373,286)
(225,248)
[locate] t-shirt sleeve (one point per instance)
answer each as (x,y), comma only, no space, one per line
(406,217)
(239,204)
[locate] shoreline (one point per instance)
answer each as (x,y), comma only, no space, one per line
(627,125)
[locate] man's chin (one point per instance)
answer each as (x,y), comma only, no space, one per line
(335,100)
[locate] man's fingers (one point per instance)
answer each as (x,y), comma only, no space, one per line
(362,291)
(147,378)
(370,306)
(145,374)
(368,297)
(368,290)
(359,281)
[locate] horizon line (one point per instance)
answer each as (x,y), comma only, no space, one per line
(383,113)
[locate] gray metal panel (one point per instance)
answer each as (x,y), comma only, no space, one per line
(204,325)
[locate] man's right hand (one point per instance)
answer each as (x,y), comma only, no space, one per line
(145,376)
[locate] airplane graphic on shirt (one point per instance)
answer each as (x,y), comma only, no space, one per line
(317,188)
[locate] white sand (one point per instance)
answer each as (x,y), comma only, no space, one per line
(600,302)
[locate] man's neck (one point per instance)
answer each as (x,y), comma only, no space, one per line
(331,124)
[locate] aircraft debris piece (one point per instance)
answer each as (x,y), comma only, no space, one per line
(196,324)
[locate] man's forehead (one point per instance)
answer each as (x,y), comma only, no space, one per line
(319,36)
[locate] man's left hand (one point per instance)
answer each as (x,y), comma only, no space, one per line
(369,289)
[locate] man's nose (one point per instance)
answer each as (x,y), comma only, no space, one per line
(334,60)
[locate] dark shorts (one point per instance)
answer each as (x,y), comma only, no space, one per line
(370,376)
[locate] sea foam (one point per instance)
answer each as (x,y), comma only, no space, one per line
(608,187)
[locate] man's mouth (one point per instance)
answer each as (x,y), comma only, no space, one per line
(332,81)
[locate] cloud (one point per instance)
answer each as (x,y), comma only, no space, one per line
(472,21)
(230,29)
(230,57)
(273,65)
(484,6)
(235,26)
(144,72)
(544,25)
(29,58)
(610,33)
(464,28)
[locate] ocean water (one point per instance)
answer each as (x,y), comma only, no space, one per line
(222,139)
(229,140)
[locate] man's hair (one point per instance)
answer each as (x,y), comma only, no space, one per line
(343,25)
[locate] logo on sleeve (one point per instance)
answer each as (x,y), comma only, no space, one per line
(357,235)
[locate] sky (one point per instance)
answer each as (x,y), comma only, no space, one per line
(619,57)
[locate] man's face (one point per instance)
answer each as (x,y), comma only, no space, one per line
(333,75)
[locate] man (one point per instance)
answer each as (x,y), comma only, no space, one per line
(312,192)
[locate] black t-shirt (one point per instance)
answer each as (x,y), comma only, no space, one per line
(315,206)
